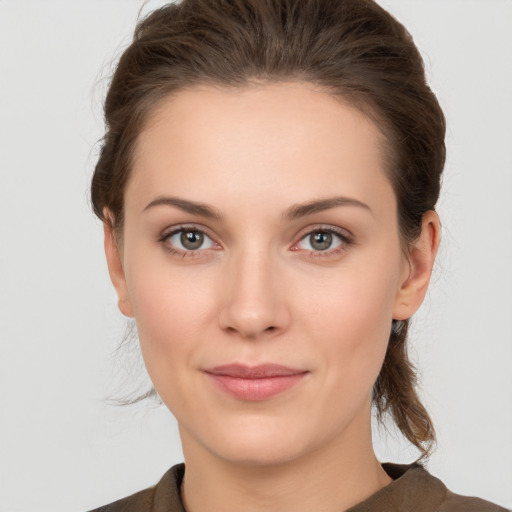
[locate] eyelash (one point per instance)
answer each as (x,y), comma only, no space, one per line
(345,241)
(166,235)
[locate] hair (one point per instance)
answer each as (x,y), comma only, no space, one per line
(353,49)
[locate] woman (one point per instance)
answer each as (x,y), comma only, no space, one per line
(267,184)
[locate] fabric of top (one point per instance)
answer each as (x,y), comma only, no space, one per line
(413,490)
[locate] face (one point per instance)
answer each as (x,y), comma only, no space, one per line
(262,262)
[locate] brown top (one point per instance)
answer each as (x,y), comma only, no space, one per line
(413,490)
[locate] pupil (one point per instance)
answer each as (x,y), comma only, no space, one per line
(321,240)
(191,239)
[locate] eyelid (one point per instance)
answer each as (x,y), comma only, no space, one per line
(346,237)
(173,230)
(186,226)
(342,232)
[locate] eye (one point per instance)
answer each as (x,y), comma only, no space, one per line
(188,240)
(325,240)
(320,241)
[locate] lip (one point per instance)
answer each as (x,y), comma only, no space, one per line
(255,383)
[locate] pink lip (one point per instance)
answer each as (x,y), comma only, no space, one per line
(254,383)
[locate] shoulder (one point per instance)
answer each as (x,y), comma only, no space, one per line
(415,486)
(141,501)
(163,497)
(457,503)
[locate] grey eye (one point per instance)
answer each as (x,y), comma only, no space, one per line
(320,241)
(190,240)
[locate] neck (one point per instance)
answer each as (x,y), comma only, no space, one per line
(333,478)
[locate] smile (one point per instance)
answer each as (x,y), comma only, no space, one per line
(254,383)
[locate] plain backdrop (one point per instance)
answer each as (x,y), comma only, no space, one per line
(62,447)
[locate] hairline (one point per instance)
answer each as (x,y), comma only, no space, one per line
(355,100)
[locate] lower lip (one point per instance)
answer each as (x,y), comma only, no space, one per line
(256,389)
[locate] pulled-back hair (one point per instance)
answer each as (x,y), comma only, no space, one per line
(353,49)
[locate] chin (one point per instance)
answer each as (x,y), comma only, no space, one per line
(260,454)
(254,443)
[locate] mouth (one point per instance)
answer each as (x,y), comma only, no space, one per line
(255,383)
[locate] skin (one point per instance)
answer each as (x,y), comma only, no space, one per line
(258,291)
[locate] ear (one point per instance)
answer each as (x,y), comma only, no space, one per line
(115,268)
(418,268)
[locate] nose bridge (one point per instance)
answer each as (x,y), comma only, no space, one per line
(254,302)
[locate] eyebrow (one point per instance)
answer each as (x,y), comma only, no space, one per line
(294,212)
(309,208)
(187,206)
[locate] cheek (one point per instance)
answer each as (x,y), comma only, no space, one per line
(354,311)
(169,315)
(170,307)
(357,299)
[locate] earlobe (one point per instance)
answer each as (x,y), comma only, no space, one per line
(420,260)
(115,269)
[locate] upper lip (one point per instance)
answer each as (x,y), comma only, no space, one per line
(261,371)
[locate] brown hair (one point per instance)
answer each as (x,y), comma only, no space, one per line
(353,49)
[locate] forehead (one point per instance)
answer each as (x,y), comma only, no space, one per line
(278,139)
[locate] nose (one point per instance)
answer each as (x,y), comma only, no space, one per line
(255,304)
